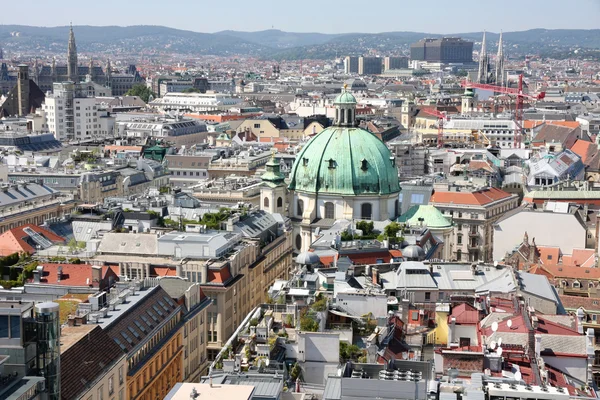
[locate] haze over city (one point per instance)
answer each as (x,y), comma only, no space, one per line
(434,16)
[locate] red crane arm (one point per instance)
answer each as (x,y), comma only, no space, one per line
(435,113)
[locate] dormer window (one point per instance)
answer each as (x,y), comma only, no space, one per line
(332,163)
(364,164)
(304,161)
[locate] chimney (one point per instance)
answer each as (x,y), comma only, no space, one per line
(452,330)
(590,345)
(38,273)
(375,276)
(59,273)
(538,345)
(96,274)
(580,318)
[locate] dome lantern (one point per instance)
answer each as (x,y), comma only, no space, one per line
(345,108)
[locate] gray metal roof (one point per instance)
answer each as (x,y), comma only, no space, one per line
(537,285)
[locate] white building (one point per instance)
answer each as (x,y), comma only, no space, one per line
(70,117)
(195,102)
(181,131)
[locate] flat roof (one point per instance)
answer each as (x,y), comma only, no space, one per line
(69,335)
(182,391)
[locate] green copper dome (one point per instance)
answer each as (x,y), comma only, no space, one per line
(432,217)
(345,160)
(345,98)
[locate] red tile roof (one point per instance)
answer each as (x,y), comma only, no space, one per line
(164,271)
(550,255)
(580,258)
(552,328)
(575,302)
(480,197)
(565,271)
(584,149)
(14,240)
(220,276)
(465,314)
(72,275)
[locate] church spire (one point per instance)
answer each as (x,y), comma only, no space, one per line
(72,58)
(500,63)
(482,76)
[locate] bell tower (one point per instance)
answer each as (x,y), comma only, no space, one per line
(273,192)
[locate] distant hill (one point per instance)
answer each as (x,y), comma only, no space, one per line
(275,44)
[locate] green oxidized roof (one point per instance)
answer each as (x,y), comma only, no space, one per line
(432,217)
(345,98)
(345,161)
(273,174)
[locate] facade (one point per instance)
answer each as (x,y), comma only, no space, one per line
(178,131)
(444,50)
(351,65)
(369,65)
(149,331)
(473,214)
(339,175)
(31,203)
(92,365)
(395,63)
(187,170)
(195,102)
(71,117)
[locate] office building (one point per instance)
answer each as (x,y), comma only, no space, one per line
(351,65)
(369,65)
(395,63)
(444,50)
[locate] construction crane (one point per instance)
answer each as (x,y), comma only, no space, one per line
(519,106)
(441,118)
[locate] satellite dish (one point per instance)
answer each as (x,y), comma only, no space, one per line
(495,263)
(494,326)
(405,356)
(499,341)
(509,323)
(493,345)
(518,376)
(499,351)
(267,362)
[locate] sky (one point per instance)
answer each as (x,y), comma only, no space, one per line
(325,16)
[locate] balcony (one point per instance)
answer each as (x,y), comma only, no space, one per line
(473,234)
(473,246)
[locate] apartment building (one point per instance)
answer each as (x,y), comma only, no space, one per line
(473,212)
(70,116)
(187,170)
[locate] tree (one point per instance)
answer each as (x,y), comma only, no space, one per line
(13,274)
(349,352)
(308,324)
(392,229)
(295,372)
(142,91)
(72,245)
(191,90)
(365,227)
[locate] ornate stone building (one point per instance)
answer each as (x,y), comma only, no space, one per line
(344,172)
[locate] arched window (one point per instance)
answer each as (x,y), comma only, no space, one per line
(366,211)
(565,283)
(329,210)
(576,285)
(300,207)
(279,202)
(266,202)
(298,242)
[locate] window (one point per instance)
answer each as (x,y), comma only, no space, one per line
(300,207)
(414,315)
(298,242)
(266,202)
(366,211)
(111,386)
(101,392)
(427,296)
(3,326)
(15,326)
(329,210)
(459,239)
(279,202)
(417,198)
(256,126)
